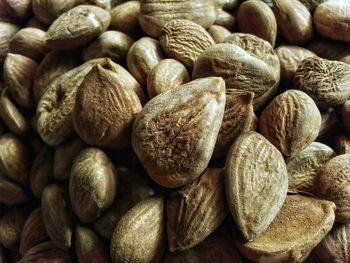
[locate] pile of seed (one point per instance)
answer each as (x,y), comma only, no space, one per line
(187,131)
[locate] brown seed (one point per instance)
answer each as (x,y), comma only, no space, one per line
(218,33)
(54,204)
(7,31)
(155,14)
(19,73)
(329,49)
(291,122)
(332,184)
(11,116)
(196,210)
(45,252)
(239,117)
(256,182)
(90,246)
(14,10)
(225,19)
(15,158)
(312,4)
(92,184)
(77,27)
(139,236)
(111,44)
(256,18)
(166,75)
(299,226)
(323,80)
(33,232)
(132,188)
(29,42)
(54,64)
(142,57)
(11,224)
(304,167)
(345,114)
(227,4)
(105,108)
(335,246)
(46,11)
(184,40)
(175,133)
(11,193)
(342,143)
(64,157)
(332,20)
(293,20)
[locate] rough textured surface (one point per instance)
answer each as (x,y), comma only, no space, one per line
(335,247)
(256,182)
(155,14)
(139,236)
(299,226)
(196,210)
(332,184)
(184,40)
(323,80)
(239,117)
(332,20)
(256,17)
(105,108)
(175,133)
(304,167)
(166,75)
(92,184)
(77,27)
(291,122)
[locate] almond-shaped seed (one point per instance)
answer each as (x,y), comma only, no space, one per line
(45,252)
(105,108)
(304,167)
(112,44)
(132,188)
(41,171)
(139,236)
(64,157)
(239,117)
(166,75)
(256,18)
(155,14)
(33,232)
(46,11)
(291,122)
(256,182)
(54,204)
(89,246)
(332,20)
(7,31)
(196,210)
(29,42)
(335,246)
(323,80)
(14,10)
(11,225)
(53,65)
(15,158)
(19,74)
(143,55)
(332,184)
(54,111)
(218,33)
(11,116)
(290,57)
(299,226)
(77,27)
(124,18)
(225,19)
(218,247)
(342,143)
(10,192)
(184,40)
(293,20)
(92,184)
(175,133)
